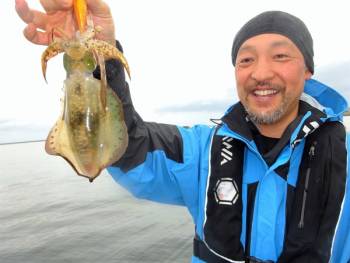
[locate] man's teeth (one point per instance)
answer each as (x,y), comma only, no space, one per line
(265,92)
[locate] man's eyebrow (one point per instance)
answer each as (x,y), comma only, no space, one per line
(281,43)
(246,48)
(274,44)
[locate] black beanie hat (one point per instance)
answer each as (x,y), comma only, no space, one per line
(280,23)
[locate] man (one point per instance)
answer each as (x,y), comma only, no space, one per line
(267,183)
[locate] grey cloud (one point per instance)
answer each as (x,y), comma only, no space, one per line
(213,106)
(334,75)
(337,76)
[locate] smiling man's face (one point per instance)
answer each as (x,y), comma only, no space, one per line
(270,74)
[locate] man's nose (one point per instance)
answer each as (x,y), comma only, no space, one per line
(262,70)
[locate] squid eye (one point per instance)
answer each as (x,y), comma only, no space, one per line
(89,62)
(67,62)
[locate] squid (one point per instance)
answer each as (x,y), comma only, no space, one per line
(90,133)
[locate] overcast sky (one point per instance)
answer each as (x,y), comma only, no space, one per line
(178,52)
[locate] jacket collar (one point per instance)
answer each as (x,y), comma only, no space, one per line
(318,104)
(325,99)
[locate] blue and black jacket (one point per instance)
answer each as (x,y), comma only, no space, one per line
(289,205)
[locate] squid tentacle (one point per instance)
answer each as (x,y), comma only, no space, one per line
(101,62)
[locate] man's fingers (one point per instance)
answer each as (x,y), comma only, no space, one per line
(37,37)
(56,5)
(23,11)
(39,19)
(31,31)
(99,8)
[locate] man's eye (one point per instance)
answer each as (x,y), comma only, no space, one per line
(281,56)
(244,61)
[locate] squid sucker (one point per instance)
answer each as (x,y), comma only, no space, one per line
(90,133)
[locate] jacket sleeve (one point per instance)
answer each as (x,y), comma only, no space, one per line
(341,247)
(161,162)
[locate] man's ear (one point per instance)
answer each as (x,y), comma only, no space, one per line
(308,74)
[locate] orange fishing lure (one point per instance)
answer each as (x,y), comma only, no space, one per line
(80,14)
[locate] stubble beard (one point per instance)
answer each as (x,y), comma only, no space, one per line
(272,116)
(267,117)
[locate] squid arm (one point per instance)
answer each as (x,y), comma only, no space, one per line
(108,51)
(52,50)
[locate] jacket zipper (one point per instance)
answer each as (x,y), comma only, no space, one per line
(306,187)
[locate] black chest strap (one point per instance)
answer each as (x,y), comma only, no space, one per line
(201,251)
